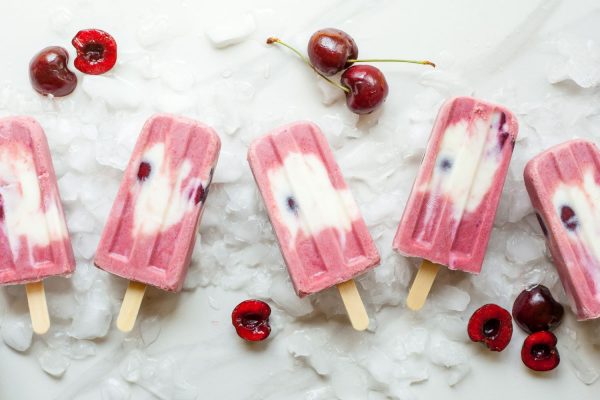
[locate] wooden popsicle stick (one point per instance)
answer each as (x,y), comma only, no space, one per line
(354,305)
(38,308)
(422,285)
(130,306)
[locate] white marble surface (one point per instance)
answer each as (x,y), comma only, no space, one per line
(209,61)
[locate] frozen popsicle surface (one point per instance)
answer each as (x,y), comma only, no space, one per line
(322,235)
(34,240)
(450,211)
(151,229)
(564,186)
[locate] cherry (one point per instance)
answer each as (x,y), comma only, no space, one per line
(491,325)
(251,320)
(536,310)
(96,51)
(568,218)
(330,49)
(49,73)
(200,194)
(368,88)
(539,351)
(144,171)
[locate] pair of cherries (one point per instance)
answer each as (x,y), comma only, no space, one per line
(331,51)
(49,72)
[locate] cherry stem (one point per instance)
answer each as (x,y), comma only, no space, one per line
(393,60)
(274,40)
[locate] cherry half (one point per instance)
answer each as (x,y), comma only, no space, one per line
(96,51)
(491,325)
(330,49)
(49,73)
(251,320)
(539,351)
(368,88)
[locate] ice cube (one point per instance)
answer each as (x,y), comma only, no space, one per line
(117,93)
(53,362)
(150,330)
(93,315)
(80,220)
(284,296)
(69,186)
(581,64)
(329,93)
(457,374)
(449,297)
(232,31)
(523,248)
(85,244)
(349,381)
(16,332)
(447,353)
(82,156)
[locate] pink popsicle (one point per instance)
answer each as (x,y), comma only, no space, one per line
(151,229)
(564,186)
(34,240)
(322,236)
(449,215)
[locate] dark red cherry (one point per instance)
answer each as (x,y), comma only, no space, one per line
(535,309)
(330,49)
(144,171)
(368,88)
(49,73)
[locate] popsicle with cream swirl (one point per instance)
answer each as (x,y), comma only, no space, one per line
(34,240)
(450,211)
(323,238)
(563,184)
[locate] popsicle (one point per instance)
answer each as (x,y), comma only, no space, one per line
(321,233)
(564,186)
(34,240)
(450,211)
(151,229)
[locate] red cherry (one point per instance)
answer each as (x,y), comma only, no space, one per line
(539,351)
(96,51)
(49,73)
(200,194)
(251,320)
(144,171)
(368,88)
(492,325)
(330,49)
